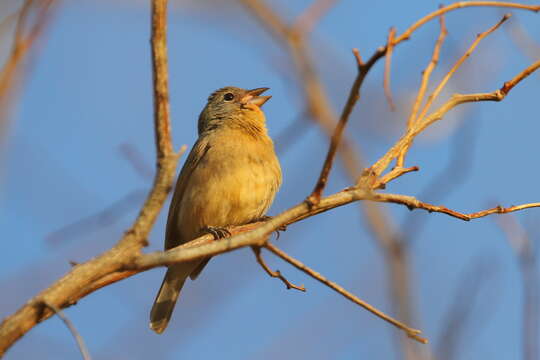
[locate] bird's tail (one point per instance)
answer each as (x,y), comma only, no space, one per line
(167,296)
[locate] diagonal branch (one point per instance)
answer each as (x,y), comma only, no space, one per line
(412,333)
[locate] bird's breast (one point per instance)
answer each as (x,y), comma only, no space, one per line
(235,183)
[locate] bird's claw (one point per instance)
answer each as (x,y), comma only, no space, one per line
(217,232)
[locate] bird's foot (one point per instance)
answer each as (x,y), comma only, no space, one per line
(217,232)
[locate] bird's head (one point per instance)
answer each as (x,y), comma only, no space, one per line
(233,106)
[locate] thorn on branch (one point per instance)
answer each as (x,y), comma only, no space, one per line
(274,274)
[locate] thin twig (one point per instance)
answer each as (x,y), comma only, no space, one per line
(455,100)
(354,95)
(426,75)
(412,333)
(78,338)
(393,174)
(456,66)
(431,98)
(459,5)
(274,274)
(413,203)
(388,68)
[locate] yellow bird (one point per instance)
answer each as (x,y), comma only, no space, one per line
(229,178)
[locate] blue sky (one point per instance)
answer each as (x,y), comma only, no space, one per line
(88,93)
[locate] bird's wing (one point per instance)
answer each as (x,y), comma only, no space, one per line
(199,150)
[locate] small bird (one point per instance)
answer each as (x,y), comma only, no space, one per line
(229,178)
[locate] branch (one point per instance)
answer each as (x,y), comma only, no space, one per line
(65,291)
(78,338)
(387,68)
(125,258)
(412,333)
(456,66)
(426,75)
(317,102)
(455,100)
(412,203)
(274,274)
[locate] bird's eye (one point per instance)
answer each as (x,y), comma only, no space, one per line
(228,97)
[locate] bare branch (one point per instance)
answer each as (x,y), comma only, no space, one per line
(388,67)
(426,75)
(455,100)
(412,333)
(456,66)
(460,5)
(78,338)
(413,203)
(274,274)
(65,290)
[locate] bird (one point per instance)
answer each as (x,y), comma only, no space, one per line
(230,177)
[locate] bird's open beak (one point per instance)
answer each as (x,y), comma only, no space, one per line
(252,97)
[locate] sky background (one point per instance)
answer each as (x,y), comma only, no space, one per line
(87,101)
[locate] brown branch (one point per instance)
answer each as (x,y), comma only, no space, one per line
(388,68)
(413,203)
(78,338)
(354,95)
(460,5)
(457,65)
(65,290)
(455,100)
(426,75)
(431,98)
(393,174)
(125,257)
(412,333)
(274,274)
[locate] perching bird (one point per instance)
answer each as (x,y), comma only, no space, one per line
(229,178)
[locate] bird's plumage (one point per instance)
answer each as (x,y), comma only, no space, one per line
(229,178)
